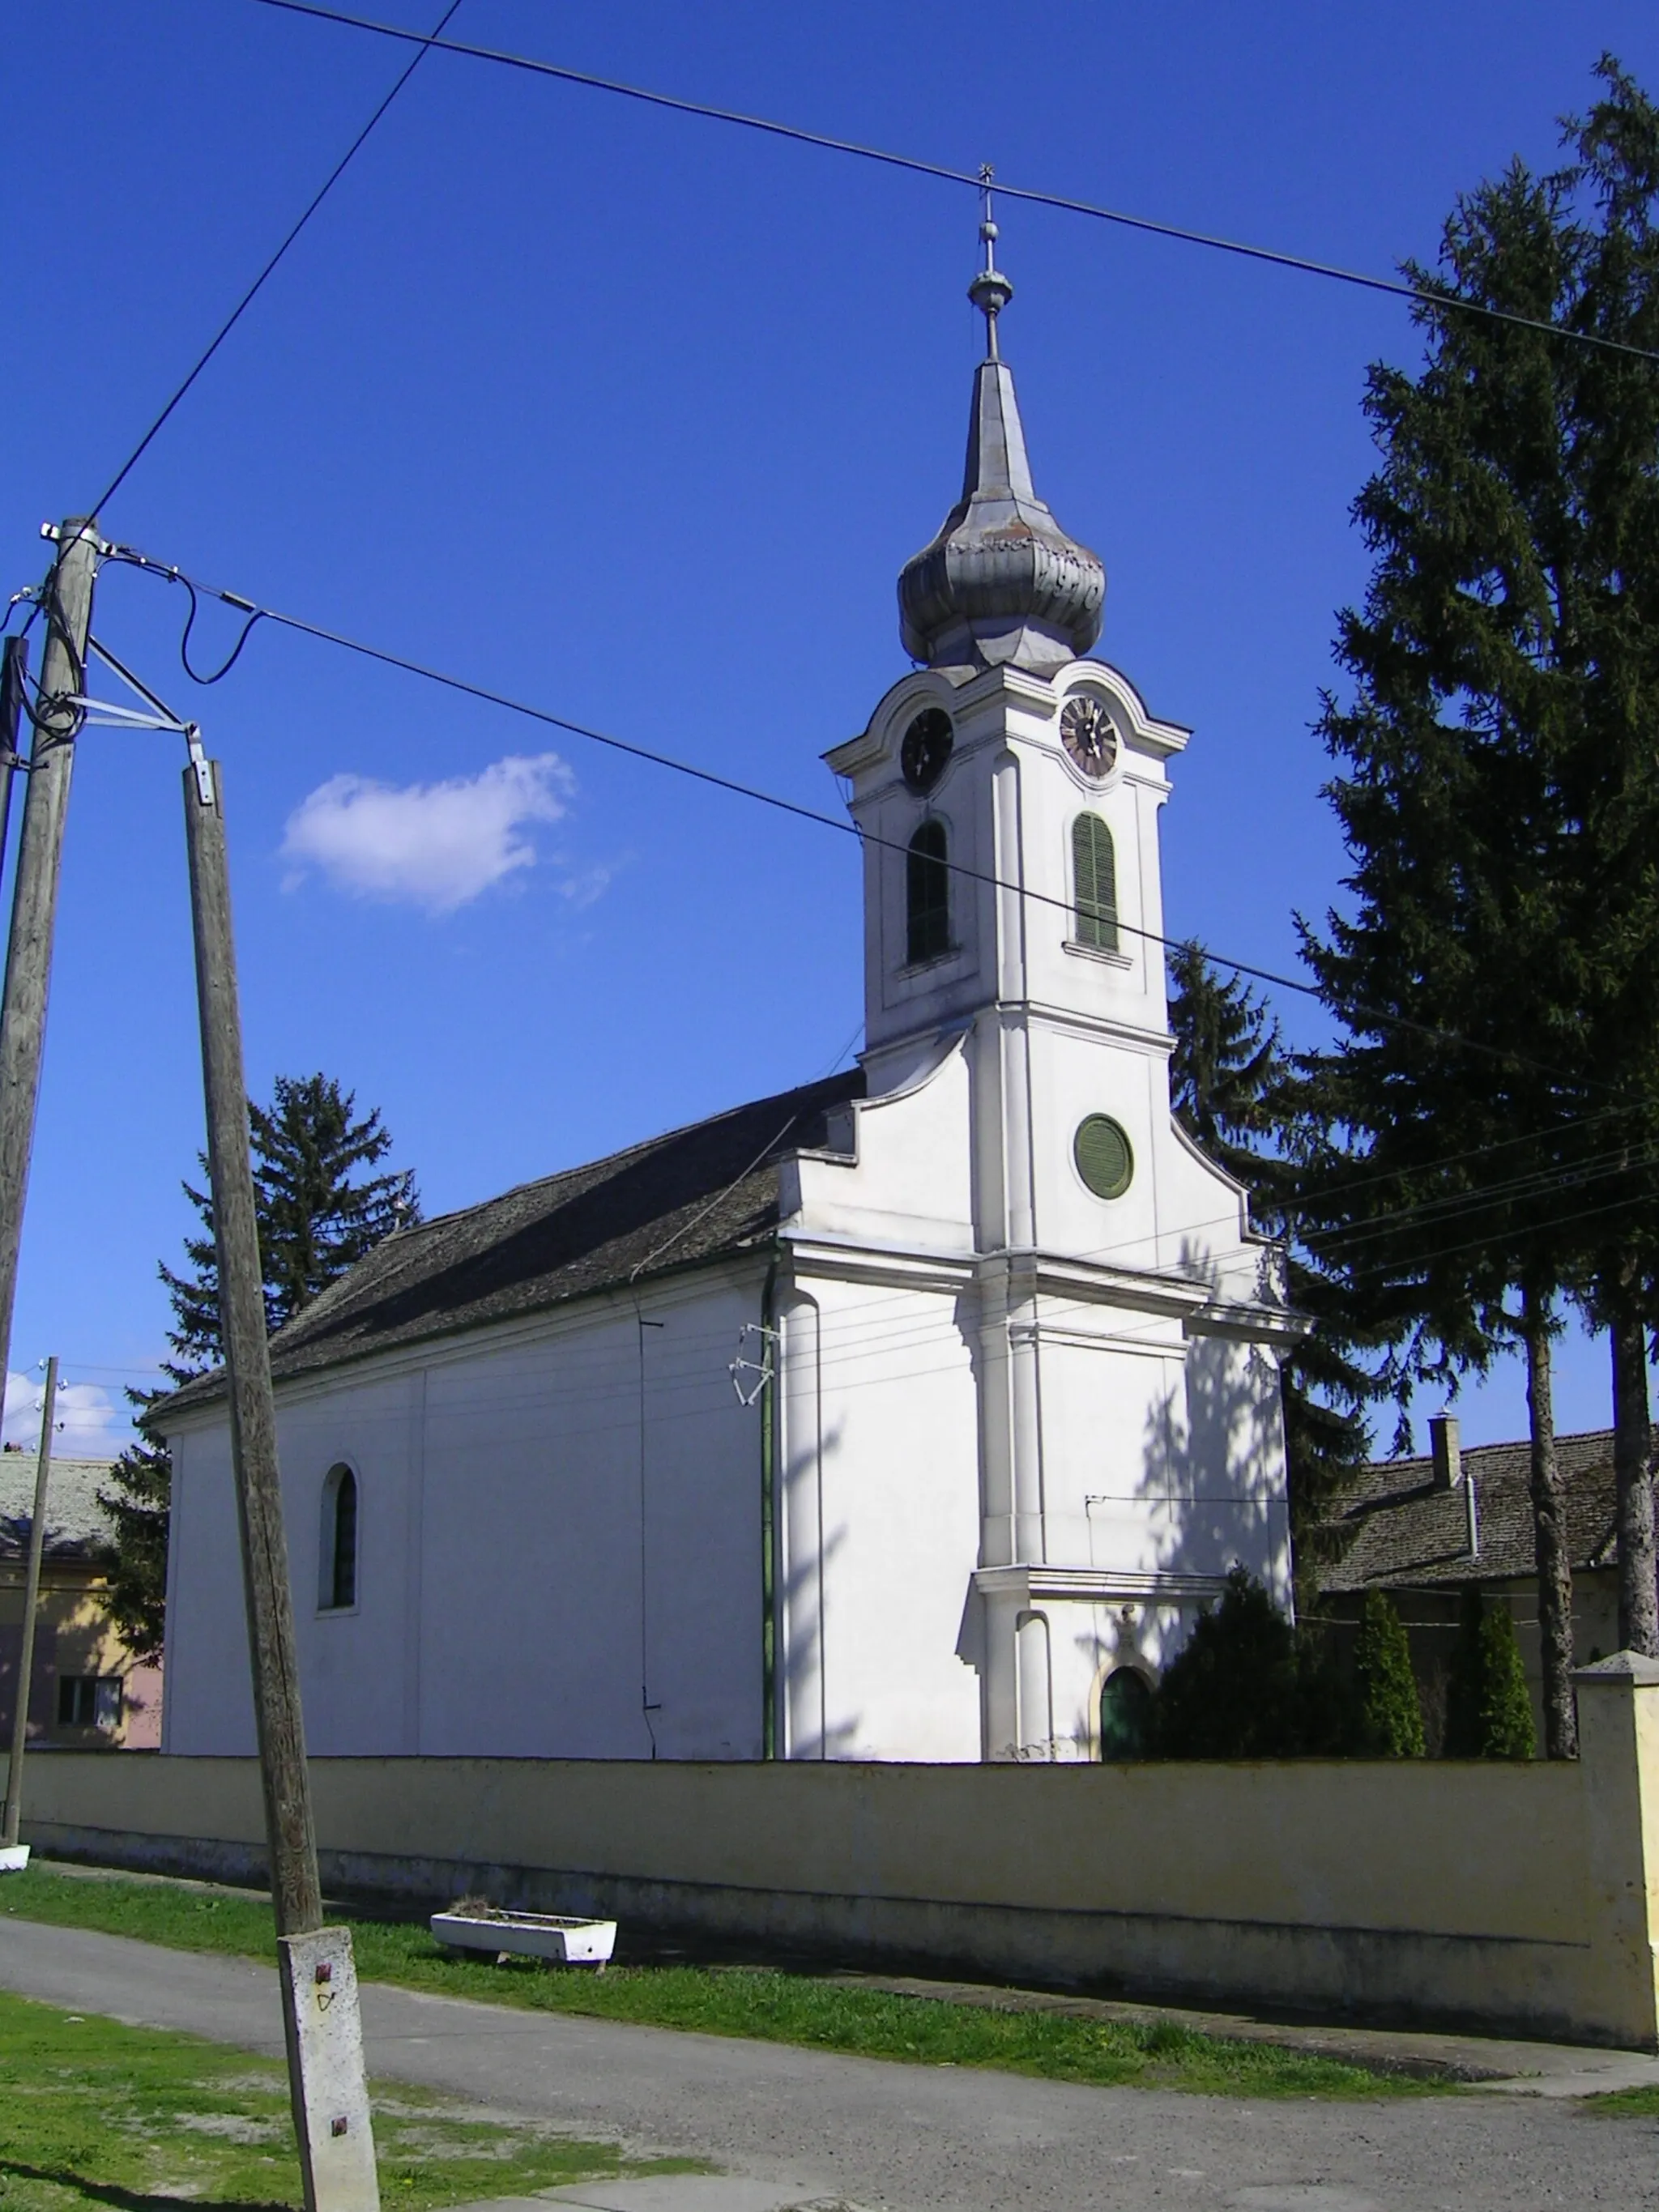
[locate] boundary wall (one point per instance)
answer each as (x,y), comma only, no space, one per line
(1524,1897)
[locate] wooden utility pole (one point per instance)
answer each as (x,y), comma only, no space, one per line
(320,1987)
(67,599)
(14,690)
(19,1719)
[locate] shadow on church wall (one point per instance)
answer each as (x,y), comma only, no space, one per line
(798,1602)
(1213,1457)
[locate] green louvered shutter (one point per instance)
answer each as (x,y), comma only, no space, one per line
(1094,875)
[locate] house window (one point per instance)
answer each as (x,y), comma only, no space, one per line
(926,895)
(1094,879)
(90,1701)
(1126,1710)
(338,1579)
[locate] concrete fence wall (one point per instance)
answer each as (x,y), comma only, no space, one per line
(1525,1896)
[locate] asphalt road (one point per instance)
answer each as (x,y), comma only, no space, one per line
(864,2132)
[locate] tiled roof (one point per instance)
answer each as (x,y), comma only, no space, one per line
(687,1197)
(1400,1531)
(78,1526)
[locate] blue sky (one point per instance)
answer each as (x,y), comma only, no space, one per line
(637,417)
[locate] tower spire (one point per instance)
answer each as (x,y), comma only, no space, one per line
(1002,582)
(990,290)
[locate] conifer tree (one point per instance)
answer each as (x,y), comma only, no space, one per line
(318,1214)
(1250,1108)
(1611,773)
(1233,1691)
(141,1487)
(1488,1707)
(1499,794)
(1390,1715)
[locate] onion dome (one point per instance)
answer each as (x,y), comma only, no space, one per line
(1002,582)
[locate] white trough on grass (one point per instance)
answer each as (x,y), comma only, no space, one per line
(14,1857)
(466,1926)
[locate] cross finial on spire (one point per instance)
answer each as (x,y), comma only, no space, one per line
(990,290)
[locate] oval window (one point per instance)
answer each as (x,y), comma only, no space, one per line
(1102,1156)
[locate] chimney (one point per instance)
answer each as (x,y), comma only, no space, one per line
(1448,1452)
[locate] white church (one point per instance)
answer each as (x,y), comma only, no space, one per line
(910,1415)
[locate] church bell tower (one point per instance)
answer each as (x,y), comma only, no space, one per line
(1124,1316)
(1009,790)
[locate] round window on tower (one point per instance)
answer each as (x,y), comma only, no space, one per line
(1103,1155)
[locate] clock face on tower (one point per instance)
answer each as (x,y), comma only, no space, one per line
(1086,732)
(925,749)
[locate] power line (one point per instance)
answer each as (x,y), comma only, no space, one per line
(257,285)
(1359,1014)
(1420,294)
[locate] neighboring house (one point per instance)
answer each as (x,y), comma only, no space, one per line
(909,1415)
(1424,1529)
(87,1689)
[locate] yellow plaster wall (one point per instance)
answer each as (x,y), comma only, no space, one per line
(74,1635)
(1520,1895)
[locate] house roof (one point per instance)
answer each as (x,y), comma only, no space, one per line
(1399,1531)
(78,1526)
(675,1201)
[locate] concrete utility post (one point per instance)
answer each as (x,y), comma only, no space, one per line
(19,1719)
(68,602)
(319,1980)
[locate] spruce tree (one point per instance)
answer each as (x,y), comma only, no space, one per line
(1499,794)
(318,1214)
(1488,1707)
(1234,1689)
(136,1501)
(1250,1107)
(1610,773)
(1390,1720)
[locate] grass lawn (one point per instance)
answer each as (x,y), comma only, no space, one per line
(1625,2105)
(780,2008)
(93,2114)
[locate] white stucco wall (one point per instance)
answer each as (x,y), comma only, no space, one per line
(510,1597)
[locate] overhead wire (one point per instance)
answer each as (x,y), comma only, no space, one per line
(425,45)
(915,165)
(1358,1015)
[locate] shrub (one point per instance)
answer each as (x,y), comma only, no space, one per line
(1234,1690)
(1389,1720)
(1488,1707)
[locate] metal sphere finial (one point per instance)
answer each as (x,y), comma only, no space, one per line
(990,290)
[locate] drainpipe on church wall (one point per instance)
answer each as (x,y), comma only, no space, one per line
(771,1351)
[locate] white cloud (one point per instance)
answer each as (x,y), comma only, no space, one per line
(89,1423)
(437,845)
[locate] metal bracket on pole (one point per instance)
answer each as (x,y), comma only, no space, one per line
(200,762)
(99,714)
(763,1370)
(155,713)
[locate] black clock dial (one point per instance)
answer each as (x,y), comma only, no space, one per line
(925,749)
(1086,732)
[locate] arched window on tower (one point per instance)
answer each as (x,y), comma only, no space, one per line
(338,1591)
(926,895)
(1094,883)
